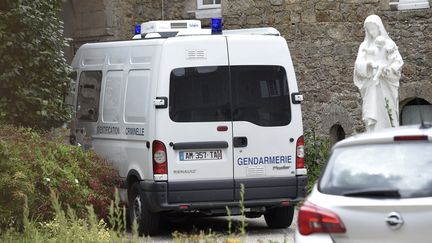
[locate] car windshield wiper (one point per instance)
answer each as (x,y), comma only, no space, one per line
(382,193)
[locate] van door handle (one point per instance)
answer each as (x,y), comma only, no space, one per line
(240,142)
(200,145)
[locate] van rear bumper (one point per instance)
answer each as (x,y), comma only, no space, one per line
(268,192)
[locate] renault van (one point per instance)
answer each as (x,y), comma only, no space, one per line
(187,117)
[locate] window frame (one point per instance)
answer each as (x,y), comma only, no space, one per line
(404,5)
(201,5)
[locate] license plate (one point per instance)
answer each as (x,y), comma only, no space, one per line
(200,155)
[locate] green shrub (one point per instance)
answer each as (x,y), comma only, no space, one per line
(31,165)
(34,74)
(317,152)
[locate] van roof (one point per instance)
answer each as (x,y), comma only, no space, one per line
(160,40)
(172,28)
(193,32)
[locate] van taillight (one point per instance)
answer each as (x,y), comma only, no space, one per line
(160,161)
(314,219)
(300,153)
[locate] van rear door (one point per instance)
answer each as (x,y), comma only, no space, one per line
(265,127)
(197,126)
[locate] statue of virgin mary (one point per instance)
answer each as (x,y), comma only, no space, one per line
(377,73)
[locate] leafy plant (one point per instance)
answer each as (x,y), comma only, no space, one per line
(32,165)
(243,223)
(34,73)
(317,152)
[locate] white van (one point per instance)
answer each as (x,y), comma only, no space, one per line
(187,117)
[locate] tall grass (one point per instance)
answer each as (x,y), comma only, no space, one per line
(66,227)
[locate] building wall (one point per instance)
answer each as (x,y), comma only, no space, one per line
(101,20)
(95,20)
(324,36)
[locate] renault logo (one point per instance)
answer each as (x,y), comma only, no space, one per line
(394,220)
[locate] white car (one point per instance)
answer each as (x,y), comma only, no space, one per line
(376,187)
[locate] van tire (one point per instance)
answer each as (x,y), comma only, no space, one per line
(148,222)
(279,218)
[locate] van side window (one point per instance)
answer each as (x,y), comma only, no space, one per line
(261,95)
(111,100)
(137,92)
(199,94)
(88,95)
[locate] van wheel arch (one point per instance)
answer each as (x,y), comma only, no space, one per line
(148,222)
(133,176)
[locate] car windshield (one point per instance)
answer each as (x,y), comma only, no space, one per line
(380,170)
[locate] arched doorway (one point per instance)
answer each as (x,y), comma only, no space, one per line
(415,110)
(337,133)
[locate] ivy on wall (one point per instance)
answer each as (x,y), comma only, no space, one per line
(34,74)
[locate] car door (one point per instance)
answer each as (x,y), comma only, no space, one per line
(197,126)
(264,130)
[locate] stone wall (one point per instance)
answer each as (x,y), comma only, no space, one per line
(324,36)
(147,10)
(101,20)
(95,20)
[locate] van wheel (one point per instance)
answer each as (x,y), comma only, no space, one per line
(278,218)
(148,222)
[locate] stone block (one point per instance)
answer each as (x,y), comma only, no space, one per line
(276,2)
(323,5)
(253,20)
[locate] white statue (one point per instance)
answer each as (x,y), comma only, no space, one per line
(376,73)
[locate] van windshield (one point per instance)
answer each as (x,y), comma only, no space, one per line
(257,94)
(380,170)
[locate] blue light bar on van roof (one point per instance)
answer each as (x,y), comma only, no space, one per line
(216,26)
(137,29)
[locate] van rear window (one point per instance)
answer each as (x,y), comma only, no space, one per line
(199,94)
(257,94)
(88,96)
(260,95)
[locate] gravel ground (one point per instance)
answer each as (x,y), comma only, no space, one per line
(257,229)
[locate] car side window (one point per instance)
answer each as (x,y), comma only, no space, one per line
(89,90)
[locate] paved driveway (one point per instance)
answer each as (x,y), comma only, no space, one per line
(257,229)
